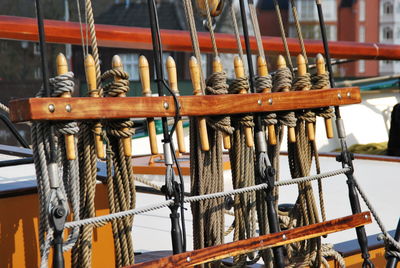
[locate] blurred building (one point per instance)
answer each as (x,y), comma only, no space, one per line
(389,28)
(346,20)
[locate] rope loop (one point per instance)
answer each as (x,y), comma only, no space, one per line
(120,128)
(282,79)
(320,82)
(115,88)
(216,85)
(261,83)
(239,84)
(301,82)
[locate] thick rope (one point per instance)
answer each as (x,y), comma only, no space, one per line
(120,180)
(68,181)
(242,168)
(320,82)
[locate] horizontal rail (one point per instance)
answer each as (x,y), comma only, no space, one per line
(21,28)
(196,257)
(84,108)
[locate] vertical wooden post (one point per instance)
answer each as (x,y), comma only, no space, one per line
(127,142)
(263,71)
(144,72)
(321,71)
(217,67)
(281,63)
(90,71)
(195,76)
(239,72)
(62,68)
(173,84)
(302,70)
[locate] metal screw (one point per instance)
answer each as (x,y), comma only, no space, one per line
(366,216)
(52,108)
(166,105)
(188,259)
(270,101)
(284,237)
(68,108)
(348,94)
(259,102)
(339,96)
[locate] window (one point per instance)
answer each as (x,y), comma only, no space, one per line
(130,63)
(362,10)
(387,33)
(361,66)
(306,9)
(361,33)
(387,8)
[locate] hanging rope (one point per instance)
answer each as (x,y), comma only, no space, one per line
(68,190)
(120,180)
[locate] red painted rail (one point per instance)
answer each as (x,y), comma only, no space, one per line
(20,28)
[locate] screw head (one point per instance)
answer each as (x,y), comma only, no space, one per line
(259,102)
(59,212)
(366,216)
(188,259)
(284,237)
(166,105)
(339,96)
(51,108)
(270,101)
(68,108)
(348,94)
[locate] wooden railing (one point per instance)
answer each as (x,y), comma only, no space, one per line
(20,28)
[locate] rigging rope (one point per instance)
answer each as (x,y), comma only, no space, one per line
(68,181)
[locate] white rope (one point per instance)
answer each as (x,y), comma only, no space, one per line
(101,220)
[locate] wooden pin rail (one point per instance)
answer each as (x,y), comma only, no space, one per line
(84,108)
(196,257)
(60,32)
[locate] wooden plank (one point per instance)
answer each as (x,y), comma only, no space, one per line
(60,32)
(138,107)
(204,255)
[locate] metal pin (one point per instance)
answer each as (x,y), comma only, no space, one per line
(166,105)
(348,94)
(259,102)
(339,96)
(52,108)
(270,101)
(284,237)
(68,108)
(188,259)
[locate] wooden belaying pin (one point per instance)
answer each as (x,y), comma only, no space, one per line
(281,63)
(215,7)
(144,72)
(302,70)
(217,67)
(321,71)
(90,71)
(195,76)
(62,68)
(173,84)
(239,72)
(127,142)
(263,71)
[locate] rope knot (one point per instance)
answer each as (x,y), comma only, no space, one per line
(320,81)
(282,79)
(302,82)
(263,82)
(216,85)
(120,128)
(115,88)
(238,85)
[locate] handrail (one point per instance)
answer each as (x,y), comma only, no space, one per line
(22,28)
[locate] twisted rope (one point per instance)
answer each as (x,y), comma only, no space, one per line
(101,220)
(320,82)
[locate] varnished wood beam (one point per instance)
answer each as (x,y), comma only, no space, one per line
(219,252)
(21,28)
(136,107)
